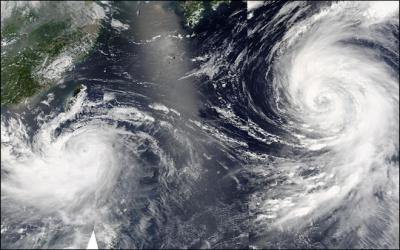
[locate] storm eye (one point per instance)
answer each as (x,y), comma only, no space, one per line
(199,124)
(322,101)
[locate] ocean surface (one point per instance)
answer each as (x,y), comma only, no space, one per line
(271,128)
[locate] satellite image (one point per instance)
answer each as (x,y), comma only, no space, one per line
(200,124)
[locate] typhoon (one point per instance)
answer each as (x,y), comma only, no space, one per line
(334,89)
(316,101)
(260,125)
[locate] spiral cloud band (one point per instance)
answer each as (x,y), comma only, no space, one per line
(289,137)
(335,85)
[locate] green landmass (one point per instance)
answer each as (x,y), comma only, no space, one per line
(77,90)
(28,45)
(194,11)
(17,78)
